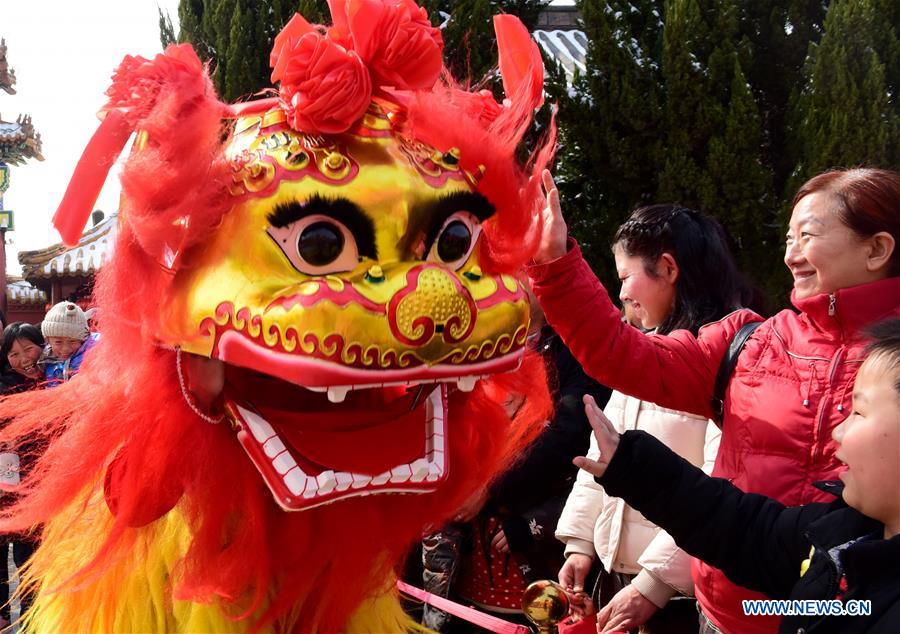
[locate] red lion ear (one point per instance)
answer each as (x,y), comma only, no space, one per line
(90,174)
(521,66)
(145,94)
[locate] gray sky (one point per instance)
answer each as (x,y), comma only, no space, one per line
(64,52)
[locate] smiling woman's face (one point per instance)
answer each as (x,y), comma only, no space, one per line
(648,298)
(823,254)
(23,356)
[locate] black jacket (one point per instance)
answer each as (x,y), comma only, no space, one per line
(11,382)
(761,544)
(546,467)
(529,497)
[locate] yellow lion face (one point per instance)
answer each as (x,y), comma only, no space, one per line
(349,267)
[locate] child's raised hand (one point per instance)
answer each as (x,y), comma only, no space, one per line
(553,227)
(607,439)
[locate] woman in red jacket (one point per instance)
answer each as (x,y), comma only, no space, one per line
(793,380)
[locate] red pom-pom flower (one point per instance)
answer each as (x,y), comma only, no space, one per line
(327,78)
(393,37)
(324,87)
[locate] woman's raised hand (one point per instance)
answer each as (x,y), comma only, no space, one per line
(554,230)
(607,439)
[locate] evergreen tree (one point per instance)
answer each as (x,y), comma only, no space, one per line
(237,36)
(610,125)
(217,25)
(779,33)
(470,48)
(468,39)
(240,51)
(243,70)
(691,113)
(741,195)
(887,43)
(735,185)
(166,30)
(680,103)
(192,29)
(315,12)
(847,111)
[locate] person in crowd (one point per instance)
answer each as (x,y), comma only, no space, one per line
(20,350)
(676,272)
(792,382)
(503,538)
(93,318)
(838,551)
(22,347)
(68,338)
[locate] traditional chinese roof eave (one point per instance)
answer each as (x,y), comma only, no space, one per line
(19,141)
(7,74)
(82,260)
(22,293)
(566,46)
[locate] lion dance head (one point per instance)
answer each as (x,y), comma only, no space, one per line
(311,322)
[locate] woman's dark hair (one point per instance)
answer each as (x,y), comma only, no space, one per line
(868,201)
(19,330)
(709,285)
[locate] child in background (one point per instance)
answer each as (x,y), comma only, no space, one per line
(65,327)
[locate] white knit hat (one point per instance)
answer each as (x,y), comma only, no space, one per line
(65,320)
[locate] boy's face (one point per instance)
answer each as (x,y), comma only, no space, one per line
(869,444)
(63,347)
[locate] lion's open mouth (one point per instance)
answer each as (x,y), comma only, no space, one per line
(312,451)
(323,432)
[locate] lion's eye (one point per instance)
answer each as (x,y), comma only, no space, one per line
(317,245)
(455,240)
(320,243)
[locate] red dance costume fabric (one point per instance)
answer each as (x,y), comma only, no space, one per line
(123,427)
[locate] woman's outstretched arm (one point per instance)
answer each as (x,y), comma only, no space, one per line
(676,371)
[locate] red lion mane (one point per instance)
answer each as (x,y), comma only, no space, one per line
(123,426)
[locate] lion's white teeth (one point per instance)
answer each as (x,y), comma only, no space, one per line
(273,446)
(400,473)
(338,393)
(326,481)
(312,487)
(360,480)
(295,481)
(260,429)
(419,470)
(344,480)
(284,462)
(295,489)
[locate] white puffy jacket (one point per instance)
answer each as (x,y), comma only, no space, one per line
(596,524)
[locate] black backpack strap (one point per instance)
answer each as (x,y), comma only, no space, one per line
(726,368)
